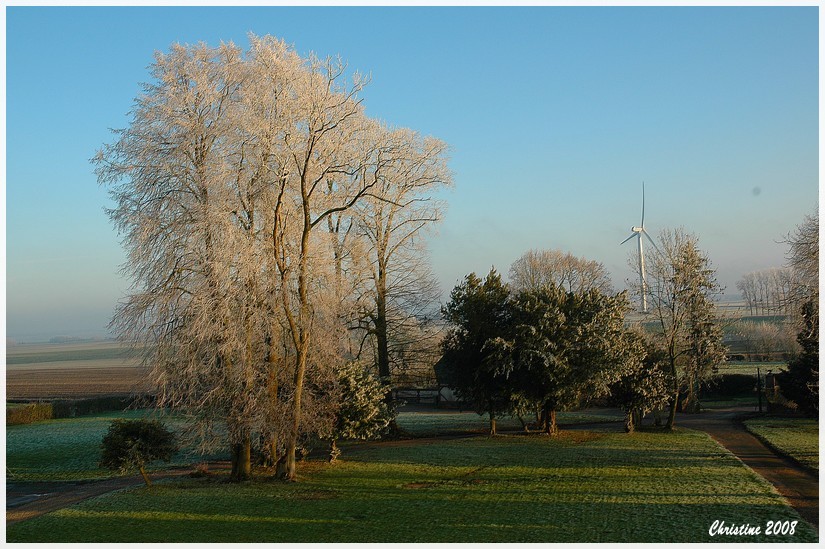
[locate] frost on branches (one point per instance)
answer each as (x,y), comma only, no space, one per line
(229,184)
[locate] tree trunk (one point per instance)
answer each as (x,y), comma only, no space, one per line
(289,472)
(334,452)
(671,418)
(629,421)
(242,460)
(381,334)
(541,418)
(145,476)
(272,361)
(548,420)
(492,422)
(552,427)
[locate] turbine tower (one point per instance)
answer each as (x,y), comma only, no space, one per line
(637,232)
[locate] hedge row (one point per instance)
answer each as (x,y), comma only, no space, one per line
(59,409)
(29,413)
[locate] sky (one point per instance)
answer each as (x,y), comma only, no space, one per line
(555,116)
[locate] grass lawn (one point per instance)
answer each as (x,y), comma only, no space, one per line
(796,437)
(428,423)
(750,368)
(579,487)
(67,449)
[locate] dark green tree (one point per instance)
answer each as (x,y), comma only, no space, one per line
(800,382)
(478,312)
(132,444)
(562,349)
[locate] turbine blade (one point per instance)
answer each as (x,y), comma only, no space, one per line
(643,205)
(628,238)
(651,240)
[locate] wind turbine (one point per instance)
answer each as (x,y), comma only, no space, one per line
(637,232)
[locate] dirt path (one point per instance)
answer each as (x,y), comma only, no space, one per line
(25,500)
(796,484)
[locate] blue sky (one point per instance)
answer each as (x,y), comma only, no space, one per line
(554,115)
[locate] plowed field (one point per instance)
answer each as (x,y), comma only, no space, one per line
(72,371)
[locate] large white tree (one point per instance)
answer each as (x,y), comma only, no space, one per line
(167,174)
(228,184)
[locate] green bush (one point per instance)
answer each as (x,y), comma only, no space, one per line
(132,444)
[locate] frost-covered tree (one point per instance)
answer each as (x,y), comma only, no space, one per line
(362,413)
(226,182)
(401,206)
(644,386)
(166,173)
(538,268)
(803,260)
(681,286)
(801,382)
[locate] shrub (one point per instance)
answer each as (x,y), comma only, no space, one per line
(132,444)
(363,413)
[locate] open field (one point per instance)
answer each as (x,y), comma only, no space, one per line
(584,486)
(750,368)
(66,352)
(76,370)
(67,383)
(795,437)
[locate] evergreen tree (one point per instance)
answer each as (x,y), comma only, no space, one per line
(363,413)
(801,382)
(132,444)
(478,312)
(563,349)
